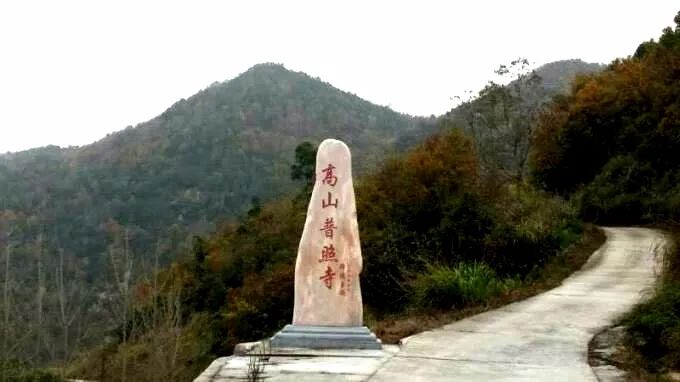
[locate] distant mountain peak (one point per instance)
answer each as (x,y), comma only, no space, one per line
(268,66)
(558,75)
(269,69)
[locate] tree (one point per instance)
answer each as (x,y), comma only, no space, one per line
(613,139)
(501,119)
(40,293)
(6,302)
(303,170)
(305,162)
(7,220)
(70,300)
(121,265)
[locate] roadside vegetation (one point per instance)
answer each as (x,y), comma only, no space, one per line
(16,371)
(612,142)
(654,326)
(464,302)
(627,119)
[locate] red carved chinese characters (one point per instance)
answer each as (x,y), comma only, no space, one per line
(329,177)
(328,227)
(327,203)
(327,278)
(328,254)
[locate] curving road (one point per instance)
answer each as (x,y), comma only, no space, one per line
(543,338)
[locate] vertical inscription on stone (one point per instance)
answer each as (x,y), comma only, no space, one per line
(326,292)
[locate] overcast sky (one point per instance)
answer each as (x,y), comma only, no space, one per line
(71,72)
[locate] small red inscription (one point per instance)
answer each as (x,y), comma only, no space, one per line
(342,279)
(348,279)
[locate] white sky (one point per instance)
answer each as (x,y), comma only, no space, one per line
(73,71)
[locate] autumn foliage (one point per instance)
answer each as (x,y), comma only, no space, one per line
(615,137)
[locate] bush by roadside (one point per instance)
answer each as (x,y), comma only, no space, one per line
(654,326)
(419,317)
(442,286)
(16,371)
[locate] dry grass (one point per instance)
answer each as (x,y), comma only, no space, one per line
(649,351)
(391,329)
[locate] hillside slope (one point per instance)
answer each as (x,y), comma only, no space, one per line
(558,76)
(206,157)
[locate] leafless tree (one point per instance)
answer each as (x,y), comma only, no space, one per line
(6,235)
(39,296)
(69,299)
(121,260)
(501,119)
(162,324)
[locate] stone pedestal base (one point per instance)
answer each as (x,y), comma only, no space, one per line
(325,337)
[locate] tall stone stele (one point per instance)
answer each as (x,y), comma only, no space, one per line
(328,310)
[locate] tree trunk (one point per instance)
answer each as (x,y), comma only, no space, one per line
(6,302)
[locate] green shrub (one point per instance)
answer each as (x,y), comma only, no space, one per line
(619,194)
(655,328)
(428,207)
(263,305)
(17,371)
(421,208)
(530,227)
(445,287)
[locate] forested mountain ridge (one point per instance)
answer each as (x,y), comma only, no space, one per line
(204,158)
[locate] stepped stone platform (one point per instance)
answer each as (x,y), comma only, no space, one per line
(325,337)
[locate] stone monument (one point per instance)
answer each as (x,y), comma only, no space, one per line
(328,311)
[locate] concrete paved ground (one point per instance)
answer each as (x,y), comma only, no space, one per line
(301,365)
(543,338)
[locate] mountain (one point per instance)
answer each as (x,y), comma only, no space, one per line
(558,76)
(206,158)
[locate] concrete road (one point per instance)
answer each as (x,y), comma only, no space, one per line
(544,338)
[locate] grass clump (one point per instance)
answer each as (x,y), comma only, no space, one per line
(442,286)
(17,371)
(655,329)
(654,326)
(393,327)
